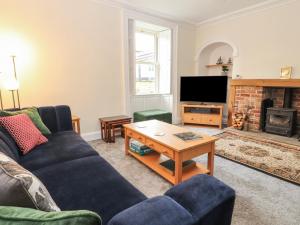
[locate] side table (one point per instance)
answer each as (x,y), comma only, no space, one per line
(109,126)
(76,123)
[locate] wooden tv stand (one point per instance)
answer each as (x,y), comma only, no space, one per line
(202,114)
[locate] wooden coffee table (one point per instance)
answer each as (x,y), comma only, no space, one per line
(171,146)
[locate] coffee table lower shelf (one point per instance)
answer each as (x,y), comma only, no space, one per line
(152,160)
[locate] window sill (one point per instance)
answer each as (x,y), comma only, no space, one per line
(149,95)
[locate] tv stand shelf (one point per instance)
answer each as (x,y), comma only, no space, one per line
(202,114)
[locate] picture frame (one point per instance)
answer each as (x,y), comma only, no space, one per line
(286,72)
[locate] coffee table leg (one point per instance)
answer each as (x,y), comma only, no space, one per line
(178,168)
(210,159)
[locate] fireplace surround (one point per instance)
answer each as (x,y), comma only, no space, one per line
(245,93)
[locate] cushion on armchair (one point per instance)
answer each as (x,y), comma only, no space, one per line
(26,216)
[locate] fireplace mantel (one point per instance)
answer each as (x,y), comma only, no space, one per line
(292,83)
(279,83)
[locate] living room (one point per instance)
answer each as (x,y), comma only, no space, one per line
(224,72)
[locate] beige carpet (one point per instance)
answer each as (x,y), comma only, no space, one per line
(273,157)
(261,199)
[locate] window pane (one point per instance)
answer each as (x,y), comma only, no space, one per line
(145,79)
(145,47)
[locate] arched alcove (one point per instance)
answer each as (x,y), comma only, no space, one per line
(208,55)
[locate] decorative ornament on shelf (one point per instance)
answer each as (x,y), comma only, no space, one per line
(220,60)
(286,72)
(229,61)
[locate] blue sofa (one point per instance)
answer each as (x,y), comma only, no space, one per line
(78,178)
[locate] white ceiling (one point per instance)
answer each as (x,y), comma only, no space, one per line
(194,11)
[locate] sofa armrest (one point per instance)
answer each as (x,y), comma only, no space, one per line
(56,118)
(208,200)
(160,210)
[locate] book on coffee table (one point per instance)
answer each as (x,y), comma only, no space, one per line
(169,165)
(139,148)
(188,136)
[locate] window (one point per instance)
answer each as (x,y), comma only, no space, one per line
(152,59)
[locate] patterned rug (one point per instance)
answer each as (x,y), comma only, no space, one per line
(275,158)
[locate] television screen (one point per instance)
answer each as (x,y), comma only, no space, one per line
(203,89)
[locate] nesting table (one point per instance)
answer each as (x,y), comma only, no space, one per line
(109,126)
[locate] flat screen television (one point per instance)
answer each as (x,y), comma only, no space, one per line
(203,89)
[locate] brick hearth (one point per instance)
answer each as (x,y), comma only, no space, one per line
(252,96)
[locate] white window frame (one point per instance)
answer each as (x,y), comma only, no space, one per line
(134,15)
(155,63)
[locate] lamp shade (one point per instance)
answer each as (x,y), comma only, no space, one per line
(11,84)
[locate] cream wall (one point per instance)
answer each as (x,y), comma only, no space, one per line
(186,49)
(267,40)
(73,55)
(186,54)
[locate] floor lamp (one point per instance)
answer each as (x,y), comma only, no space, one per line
(16,88)
(13,85)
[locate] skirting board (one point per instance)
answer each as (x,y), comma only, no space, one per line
(91,136)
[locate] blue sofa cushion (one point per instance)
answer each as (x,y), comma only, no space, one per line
(89,183)
(56,118)
(213,204)
(9,146)
(61,147)
(160,210)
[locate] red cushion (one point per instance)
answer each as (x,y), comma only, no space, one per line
(23,131)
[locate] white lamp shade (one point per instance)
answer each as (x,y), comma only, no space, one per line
(11,84)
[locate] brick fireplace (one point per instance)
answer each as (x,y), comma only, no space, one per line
(249,94)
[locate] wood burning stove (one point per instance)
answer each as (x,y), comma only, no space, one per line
(281,121)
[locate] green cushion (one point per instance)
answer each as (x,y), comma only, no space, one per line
(153,114)
(26,216)
(33,115)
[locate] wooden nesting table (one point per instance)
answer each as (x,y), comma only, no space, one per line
(170,146)
(109,125)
